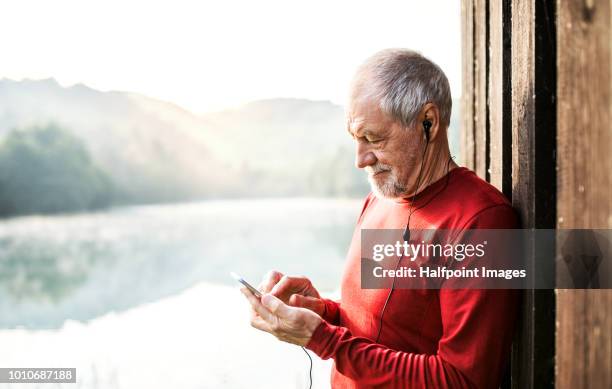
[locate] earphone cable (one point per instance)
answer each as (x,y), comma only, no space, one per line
(406,231)
(382,313)
(310,369)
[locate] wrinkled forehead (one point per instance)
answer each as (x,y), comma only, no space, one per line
(365,114)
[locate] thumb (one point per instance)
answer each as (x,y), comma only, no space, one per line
(275,305)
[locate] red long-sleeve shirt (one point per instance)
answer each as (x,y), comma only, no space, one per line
(447,338)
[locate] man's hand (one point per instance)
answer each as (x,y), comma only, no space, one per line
(295,291)
(289,324)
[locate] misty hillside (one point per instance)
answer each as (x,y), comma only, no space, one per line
(150,155)
(155,151)
(271,134)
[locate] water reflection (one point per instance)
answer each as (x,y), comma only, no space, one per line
(82,266)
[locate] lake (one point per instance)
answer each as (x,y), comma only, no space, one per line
(141,296)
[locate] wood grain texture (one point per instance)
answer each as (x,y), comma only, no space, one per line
(532,102)
(584,199)
(481,68)
(496,94)
(467,95)
(523,110)
(523,172)
(512,44)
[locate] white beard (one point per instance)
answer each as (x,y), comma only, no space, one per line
(390,188)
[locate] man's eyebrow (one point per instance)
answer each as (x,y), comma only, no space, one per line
(360,128)
(364,132)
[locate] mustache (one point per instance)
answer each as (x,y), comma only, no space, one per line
(378,168)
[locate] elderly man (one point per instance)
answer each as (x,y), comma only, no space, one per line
(398,115)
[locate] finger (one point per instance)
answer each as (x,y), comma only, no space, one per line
(257,305)
(270,279)
(286,287)
(260,324)
(256,320)
(314,304)
(275,306)
(254,314)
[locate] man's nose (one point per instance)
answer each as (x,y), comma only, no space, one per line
(363,156)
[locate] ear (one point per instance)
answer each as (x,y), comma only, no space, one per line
(430,112)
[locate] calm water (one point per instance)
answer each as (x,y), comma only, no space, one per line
(141,296)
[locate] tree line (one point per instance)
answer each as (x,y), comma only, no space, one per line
(45,169)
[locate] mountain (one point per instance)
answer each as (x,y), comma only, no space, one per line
(290,145)
(270,134)
(155,151)
(151,155)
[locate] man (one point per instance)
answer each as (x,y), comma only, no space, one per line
(398,115)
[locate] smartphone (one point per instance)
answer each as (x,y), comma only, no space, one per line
(250,287)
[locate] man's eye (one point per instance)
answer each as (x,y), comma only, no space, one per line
(370,139)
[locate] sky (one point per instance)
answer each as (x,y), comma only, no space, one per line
(212,55)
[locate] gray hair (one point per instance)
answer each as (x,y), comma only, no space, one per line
(403,81)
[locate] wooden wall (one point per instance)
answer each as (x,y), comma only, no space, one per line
(584,183)
(536,123)
(506,95)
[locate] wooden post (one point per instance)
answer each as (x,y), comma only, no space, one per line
(496,94)
(540,131)
(499,97)
(533,79)
(481,73)
(467,97)
(510,139)
(584,183)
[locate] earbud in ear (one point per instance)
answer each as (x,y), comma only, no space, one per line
(426,128)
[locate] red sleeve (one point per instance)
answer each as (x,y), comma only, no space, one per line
(477,332)
(332,311)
